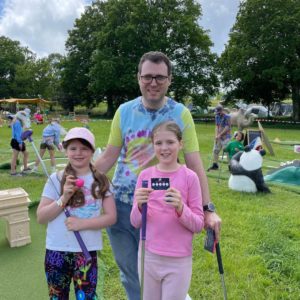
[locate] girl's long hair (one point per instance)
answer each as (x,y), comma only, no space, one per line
(100,186)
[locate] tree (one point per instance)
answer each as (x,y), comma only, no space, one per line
(262,59)
(76,66)
(109,39)
(39,78)
(12,55)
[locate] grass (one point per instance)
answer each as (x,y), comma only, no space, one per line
(260,239)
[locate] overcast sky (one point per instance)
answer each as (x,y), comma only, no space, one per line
(42,25)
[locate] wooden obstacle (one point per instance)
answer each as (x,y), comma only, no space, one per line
(71,115)
(253,134)
(82,118)
(14,209)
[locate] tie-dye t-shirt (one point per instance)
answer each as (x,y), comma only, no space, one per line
(131,129)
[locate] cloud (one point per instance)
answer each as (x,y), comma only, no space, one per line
(218,16)
(41,25)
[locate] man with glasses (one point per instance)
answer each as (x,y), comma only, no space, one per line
(130,145)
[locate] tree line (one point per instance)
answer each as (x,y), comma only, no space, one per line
(260,63)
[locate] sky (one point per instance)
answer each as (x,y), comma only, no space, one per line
(42,25)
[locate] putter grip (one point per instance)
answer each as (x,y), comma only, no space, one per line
(80,241)
(144,213)
(219,258)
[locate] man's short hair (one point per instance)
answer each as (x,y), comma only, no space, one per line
(156,57)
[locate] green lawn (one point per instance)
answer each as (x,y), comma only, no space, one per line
(260,239)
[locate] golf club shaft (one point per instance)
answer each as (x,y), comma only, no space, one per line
(67,213)
(220,167)
(212,154)
(221,270)
(142,268)
(143,237)
(224,286)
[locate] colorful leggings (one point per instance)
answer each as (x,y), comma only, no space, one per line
(62,267)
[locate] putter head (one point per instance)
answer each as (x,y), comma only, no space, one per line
(27,135)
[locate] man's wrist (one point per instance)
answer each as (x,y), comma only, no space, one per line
(209,207)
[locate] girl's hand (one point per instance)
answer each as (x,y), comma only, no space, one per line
(173,198)
(69,189)
(141,196)
(73,223)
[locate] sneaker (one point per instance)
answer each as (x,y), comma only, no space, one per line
(214,166)
(16,174)
(27,170)
(34,169)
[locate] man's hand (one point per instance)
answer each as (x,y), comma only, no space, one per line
(212,220)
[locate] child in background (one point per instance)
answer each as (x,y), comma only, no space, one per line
(173,216)
(235,145)
(92,208)
(17,144)
(50,138)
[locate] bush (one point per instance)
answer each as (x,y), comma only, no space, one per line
(81,110)
(96,111)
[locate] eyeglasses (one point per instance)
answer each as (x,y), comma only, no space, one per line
(160,79)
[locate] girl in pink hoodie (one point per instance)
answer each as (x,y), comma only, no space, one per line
(174,214)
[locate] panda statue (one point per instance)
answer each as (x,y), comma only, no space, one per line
(246,174)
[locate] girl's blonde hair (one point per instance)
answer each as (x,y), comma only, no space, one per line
(169,126)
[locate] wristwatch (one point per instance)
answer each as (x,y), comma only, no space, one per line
(209,207)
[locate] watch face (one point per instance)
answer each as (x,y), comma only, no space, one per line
(211,207)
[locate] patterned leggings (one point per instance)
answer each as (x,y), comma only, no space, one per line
(62,267)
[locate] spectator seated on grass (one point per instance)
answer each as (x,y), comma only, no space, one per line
(38,118)
(235,145)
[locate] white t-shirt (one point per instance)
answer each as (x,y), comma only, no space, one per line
(58,237)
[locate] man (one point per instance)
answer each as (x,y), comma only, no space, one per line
(130,144)
(222,135)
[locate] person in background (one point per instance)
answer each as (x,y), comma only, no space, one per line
(50,139)
(235,145)
(27,124)
(17,144)
(130,146)
(91,207)
(222,135)
(38,117)
(173,216)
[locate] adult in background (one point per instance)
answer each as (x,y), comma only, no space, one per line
(50,139)
(222,134)
(130,145)
(17,144)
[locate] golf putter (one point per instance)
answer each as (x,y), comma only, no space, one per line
(144,224)
(27,135)
(212,246)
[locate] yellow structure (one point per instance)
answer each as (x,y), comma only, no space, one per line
(14,209)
